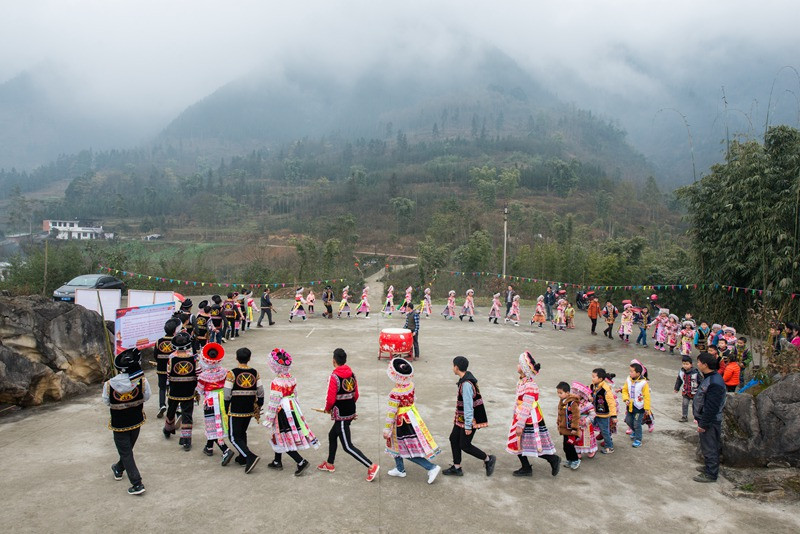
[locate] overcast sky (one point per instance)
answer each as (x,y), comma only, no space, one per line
(158,56)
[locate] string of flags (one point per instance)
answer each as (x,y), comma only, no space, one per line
(631,287)
(166,279)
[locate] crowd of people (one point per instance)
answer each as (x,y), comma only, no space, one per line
(189,366)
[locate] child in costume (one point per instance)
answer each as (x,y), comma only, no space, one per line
(528,435)
(701,337)
(569,423)
(626,323)
(569,314)
(244,399)
(250,307)
(298,310)
(687,337)
(513,313)
(363,306)
(210,387)
(341,404)
(125,395)
(636,396)
(183,371)
(729,334)
(494,313)
(686,384)
(290,432)
(344,306)
(660,335)
(468,309)
(539,315)
(162,351)
(587,441)
(427,308)
(310,300)
(672,330)
(450,308)
(609,313)
(407,305)
(201,326)
(560,319)
(327,301)
(388,307)
(605,407)
(405,432)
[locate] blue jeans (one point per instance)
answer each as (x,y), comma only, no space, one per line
(216,337)
(424,463)
(634,421)
(604,425)
(549,308)
(642,337)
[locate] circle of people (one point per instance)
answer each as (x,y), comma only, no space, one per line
(188,360)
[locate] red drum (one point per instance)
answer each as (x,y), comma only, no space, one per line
(395,342)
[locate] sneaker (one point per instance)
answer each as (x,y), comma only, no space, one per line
(433,473)
(325,466)
(187,444)
(372,472)
(574,465)
(522,472)
(259,326)
(301,467)
(240,460)
(396,473)
(161,412)
(607,450)
(702,477)
(117,472)
(136,489)
(208,451)
(453,471)
(555,465)
(683,419)
(226,457)
(272,323)
(491,460)
(636,443)
(251,463)
(700,469)
(167,433)
(275,465)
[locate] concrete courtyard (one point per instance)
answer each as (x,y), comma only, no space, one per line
(56,476)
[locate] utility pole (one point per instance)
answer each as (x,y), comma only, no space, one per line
(505,236)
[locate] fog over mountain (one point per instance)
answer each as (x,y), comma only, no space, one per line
(96,74)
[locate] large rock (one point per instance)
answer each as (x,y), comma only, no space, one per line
(763,429)
(48,350)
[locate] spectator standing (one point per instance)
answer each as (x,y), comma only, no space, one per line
(594,312)
(266,309)
(707,406)
(509,298)
(549,302)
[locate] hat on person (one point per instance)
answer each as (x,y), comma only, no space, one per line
(203,304)
(673,316)
(470,291)
(279,361)
(528,364)
(186,304)
(129,361)
(496,296)
(688,323)
(400,371)
(451,293)
(391,288)
(182,341)
(581,390)
(664,311)
(213,352)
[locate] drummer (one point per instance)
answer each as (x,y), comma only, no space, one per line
(412,323)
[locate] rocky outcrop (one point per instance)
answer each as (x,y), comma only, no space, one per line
(48,350)
(765,429)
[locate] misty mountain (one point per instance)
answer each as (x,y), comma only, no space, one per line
(43,114)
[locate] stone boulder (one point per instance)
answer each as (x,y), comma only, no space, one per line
(49,350)
(765,429)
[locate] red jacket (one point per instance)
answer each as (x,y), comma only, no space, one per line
(339,374)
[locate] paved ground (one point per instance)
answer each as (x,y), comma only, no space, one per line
(55,461)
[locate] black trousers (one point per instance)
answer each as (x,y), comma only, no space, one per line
(710,445)
(594,324)
(329,308)
(526,464)
(294,455)
(460,441)
(341,430)
(237,430)
(187,407)
(125,442)
(508,307)
(607,331)
(569,450)
(162,390)
(268,313)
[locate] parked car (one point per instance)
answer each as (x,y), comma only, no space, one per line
(86,281)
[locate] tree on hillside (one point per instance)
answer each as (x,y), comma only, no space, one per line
(751,203)
(476,253)
(403,209)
